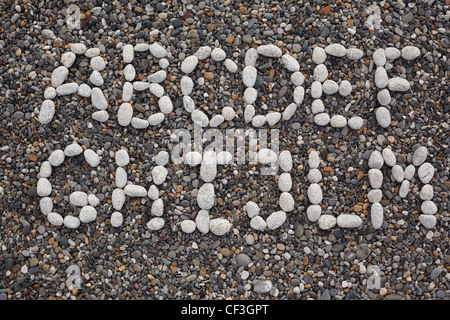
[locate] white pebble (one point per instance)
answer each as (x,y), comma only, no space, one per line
(188,65)
(203,52)
(159,175)
(116,219)
(398,84)
(100,116)
(133,190)
(59,75)
(91,157)
(252,209)
(297,78)
(269,50)
(315,193)
(410,52)
(313,212)
(55,219)
(355,122)
(290,62)
(348,221)
(43,187)
(157,209)
(320,73)
(218,54)
(276,220)
(383,117)
(202,221)
(219,226)
(336,50)
(319,55)
(326,222)
(78,48)
(389,157)
(165,104)
(88,214)
(155,223)
(118,198)
(47,112)
(97,63)
(249,75)
(188,226)
(157,51)
(338,121)
(98,99)
(56,158)
(68,58)
(156,119)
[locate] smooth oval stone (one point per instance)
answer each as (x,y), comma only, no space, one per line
(398,84)
(116,219)
(46,112)
(155,224)
(258,223)
(98,99)
(326,222)
(157,209)
(269,50)
(290,63)
(389,157)
(249,75)
(426,172)
(206,196)
(336,49)
(397,173)
(428,207)
(133,190)
(404,189)
(188,226)
(320,73)
(348,221)
(428,221)
(376,160)
(128,53)
(419,156)
(91,157)
(55,219)
(88,214)
(383,117)
(322,119)
(252,209)
(189,64)
(202,221)
(376,215)
(319,55)
(124,114)
(218,54)
(426,193)
(355,122)
(276,220)
(315,193)
(219,226)
(157,50)
(71,222)
(59,75)
(410,52)
(313,212)
(375,178)
(72,150)
(286,202)
(78,198)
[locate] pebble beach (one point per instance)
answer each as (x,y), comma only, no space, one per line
(353,97)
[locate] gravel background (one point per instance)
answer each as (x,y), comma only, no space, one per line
(300,260)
